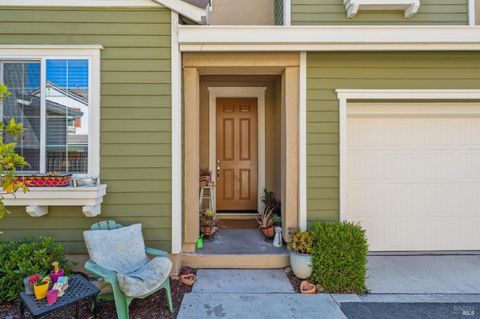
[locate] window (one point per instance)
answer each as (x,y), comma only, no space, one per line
(51,97)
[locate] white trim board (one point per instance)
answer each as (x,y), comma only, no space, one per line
(287,12)
(188,10)
(238,92)
(176,140)
(328,38)
(471,12)
(79,3)
(302,136)
(345,95)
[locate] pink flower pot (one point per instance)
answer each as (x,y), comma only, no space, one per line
(57,275)
(52,296)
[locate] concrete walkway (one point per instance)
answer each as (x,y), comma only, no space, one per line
(252,293)
(447,274)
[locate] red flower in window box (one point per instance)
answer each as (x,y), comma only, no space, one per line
(47,180)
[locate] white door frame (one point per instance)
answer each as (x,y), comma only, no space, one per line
(344,95)
(239,92)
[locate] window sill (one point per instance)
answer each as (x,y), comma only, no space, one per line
(37,199)
(409,6)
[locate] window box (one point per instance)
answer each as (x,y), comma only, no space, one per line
(60,180)
(37,199)
(409,6)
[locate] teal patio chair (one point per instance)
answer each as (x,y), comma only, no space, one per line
(118,256)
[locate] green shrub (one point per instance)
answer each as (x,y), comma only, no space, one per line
(20,259)
(340,257)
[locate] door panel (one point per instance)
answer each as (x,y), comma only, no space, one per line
(413,182)
(237,147)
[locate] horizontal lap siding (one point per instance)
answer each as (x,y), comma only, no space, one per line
(327,72)
(331,12)
(135,116)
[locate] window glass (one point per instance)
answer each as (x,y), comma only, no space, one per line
(67,116)
(23,81)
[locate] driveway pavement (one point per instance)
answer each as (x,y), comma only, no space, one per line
(441,274)
(400,287)
(253,293)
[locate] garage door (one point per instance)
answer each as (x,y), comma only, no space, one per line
(413,175)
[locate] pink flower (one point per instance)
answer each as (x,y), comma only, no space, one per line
(33,279)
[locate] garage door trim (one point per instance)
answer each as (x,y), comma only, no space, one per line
(346,95)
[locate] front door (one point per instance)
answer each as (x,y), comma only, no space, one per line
(237,146)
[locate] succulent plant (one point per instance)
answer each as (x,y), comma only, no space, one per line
(301,242)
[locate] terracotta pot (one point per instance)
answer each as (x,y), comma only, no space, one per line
(301,264)
(187,279)
(208,230)
(41,291)
(268,232)
(307,288)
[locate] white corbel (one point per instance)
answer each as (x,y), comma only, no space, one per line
(36,211)
(91,210)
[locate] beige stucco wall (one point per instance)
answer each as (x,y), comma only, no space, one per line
(241,12)
(272,121)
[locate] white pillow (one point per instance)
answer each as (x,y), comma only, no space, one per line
(121,250)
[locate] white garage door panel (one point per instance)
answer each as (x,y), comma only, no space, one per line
(413,177)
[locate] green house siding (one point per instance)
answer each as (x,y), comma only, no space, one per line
(135,116)
(328,12)
(327,72)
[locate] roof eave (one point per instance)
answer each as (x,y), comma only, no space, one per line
(183,8)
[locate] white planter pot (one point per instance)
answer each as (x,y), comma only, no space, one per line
(301,264)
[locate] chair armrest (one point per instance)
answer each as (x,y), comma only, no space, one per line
(102,272)
(156,252)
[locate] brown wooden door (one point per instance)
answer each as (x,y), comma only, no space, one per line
(237,147)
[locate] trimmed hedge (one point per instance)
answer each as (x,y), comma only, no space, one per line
(340,257)
(20,259)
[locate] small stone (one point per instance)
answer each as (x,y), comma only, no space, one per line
(288,270)
(320,288)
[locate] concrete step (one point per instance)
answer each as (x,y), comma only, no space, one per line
(242,281)
(236,261)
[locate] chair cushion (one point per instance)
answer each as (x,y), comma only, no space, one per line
(147,279)
(121,250)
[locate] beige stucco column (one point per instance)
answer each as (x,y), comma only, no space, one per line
(192,157)
(289,150)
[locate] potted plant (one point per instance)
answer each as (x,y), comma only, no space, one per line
(270,201)
(40,285)
(205,177)
(208,222)
(301,247)
(266,223)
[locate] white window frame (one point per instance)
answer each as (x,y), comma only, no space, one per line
(471,12)
(44,52)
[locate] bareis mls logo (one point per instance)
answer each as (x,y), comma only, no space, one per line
(464,310)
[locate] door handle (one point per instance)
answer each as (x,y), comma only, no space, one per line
(218,169)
